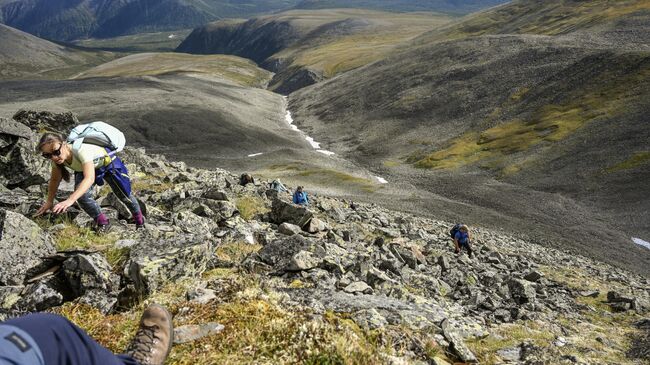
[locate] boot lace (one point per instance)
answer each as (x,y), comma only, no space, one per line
(142,344)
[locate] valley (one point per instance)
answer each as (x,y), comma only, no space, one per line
(526,120)
(511,118)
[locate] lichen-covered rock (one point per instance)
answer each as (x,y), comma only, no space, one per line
(90,278)
(280,253)
(522,291)
(457,343)
(22,243)
(153,263)
(282,211)
(20,165)
(39,297)
(289,229)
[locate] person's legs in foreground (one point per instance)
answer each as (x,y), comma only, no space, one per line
(62,343)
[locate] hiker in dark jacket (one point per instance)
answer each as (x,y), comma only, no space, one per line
(462,239)
(300,197)
(91,165)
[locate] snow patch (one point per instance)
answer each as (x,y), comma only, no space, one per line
(641,242)
(381,180)
(313,143)
(171,36)
(255,154)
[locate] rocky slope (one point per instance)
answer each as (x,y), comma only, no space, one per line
(337,282)
(69,20)
(23,56)
(533,112)
(306,46)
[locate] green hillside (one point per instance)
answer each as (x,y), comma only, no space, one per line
(238,70)
(306,46)
(23,56)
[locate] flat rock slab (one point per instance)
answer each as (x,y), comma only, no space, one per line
(184,334)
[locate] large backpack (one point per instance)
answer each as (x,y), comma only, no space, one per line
(97,133)
(455,230)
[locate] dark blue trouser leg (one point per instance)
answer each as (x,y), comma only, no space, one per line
(63,343)
(86,201)
(129,200)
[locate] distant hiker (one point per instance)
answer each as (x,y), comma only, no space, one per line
(245,179)
(277,186)
(462,239)
(300,197)
(49,339)
(92,164)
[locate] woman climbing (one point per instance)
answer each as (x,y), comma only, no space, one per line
(91,164)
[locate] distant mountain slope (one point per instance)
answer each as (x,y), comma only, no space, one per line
(305,46)
(237,70)
(23,55)
(66,20)
(538,97)
(448,6)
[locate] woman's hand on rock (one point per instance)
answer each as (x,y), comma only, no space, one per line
(62,206)
(44,208)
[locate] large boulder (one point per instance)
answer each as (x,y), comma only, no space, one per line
(90,278)
(22,243)
(293,253)
(58,122)
(522,291)
(282,211)
(20,165)
(153,263)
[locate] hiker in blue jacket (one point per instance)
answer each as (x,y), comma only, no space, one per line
(300,197)
(462,239)
(91,165)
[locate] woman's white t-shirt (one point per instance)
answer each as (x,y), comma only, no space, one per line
(87,153)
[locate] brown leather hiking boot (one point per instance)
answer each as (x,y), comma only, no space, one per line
(154,338)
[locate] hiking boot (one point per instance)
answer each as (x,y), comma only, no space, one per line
(138,218)
(102,228)
(153,341)
(102,224)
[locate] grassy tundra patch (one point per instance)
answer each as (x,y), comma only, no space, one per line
(323,176)
(549,124)
(638,159)
(550,19)
(334,53)
(142,42)
(235,69)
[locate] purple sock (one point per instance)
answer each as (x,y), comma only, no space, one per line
(139,218)
(101,219)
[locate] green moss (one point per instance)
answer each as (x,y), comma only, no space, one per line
(509,335)
(75,237)
(250,206)
(236,251)
(117,257)
(638,159)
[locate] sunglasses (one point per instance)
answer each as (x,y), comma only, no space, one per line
(56,152)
